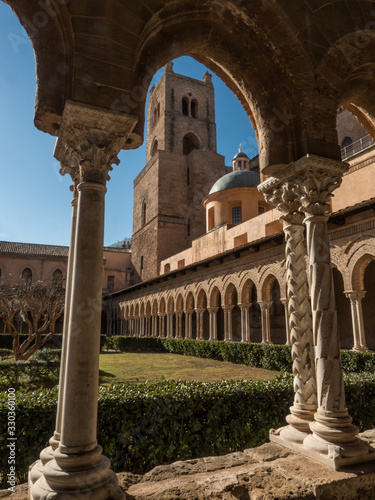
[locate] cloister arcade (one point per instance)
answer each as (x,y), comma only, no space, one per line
(293,65)
(242,307)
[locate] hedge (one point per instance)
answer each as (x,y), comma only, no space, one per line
(6,341)
(36,370)
(143,426)
(269,356)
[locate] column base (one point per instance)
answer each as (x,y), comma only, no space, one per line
(329,454)
(77,476)
(46,455)
(359,348)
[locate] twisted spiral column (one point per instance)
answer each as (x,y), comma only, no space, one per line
(304,383)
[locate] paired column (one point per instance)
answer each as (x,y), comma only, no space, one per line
(359,338)
(228,324)
(245,322)
(189,323)
(199,315)
(282,194)
(89,141)
(213,322)
(287,329)
(333,439)
(265,307)
(179,324)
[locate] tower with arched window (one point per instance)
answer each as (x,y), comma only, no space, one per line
(181,166)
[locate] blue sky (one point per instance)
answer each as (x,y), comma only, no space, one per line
(35,198)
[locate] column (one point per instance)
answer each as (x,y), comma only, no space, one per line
(298,314)
(228,327)
(89,139)
(200,333)
(265,307)
(213,322)
(245,322)
(334,438)
(287,329)
(359,339)
(188,323)
(179,324)
(47,454)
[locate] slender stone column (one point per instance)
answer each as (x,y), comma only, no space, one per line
(359,338)
(189,323)
(179,324)
(213,322)
(47,454)
(287,328)
(265,307)
(228,324)
(245,322)
(334,438)
(89,139)
(200,334)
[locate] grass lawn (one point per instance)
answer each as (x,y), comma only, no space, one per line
(135,368)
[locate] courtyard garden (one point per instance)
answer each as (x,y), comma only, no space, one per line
(163,400)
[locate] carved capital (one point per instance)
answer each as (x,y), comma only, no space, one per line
(355,296)
(89,141)
(306,186)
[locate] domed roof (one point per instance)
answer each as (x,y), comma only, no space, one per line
(237,179)
(240,154)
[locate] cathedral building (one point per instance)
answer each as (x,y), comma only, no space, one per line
(208,251)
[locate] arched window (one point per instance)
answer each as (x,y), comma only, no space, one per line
(57,276)
(144,208)
(27,275)
(194,109)
(185,106)
(346,142)
(189,142)
(154,147)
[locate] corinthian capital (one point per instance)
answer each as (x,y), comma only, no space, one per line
(89,141)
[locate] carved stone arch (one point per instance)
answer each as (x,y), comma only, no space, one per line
(148,307)
(340,261)
(266,287)
(142,308)
(127,310)
(201,299)
(245,290)
(361,238)
(162,305)
(155,307)
(170,304)
(230,278)
(179,302)
(131,313)
(136,309)
(359,269)
(230,294)
(190,301)
(214,296)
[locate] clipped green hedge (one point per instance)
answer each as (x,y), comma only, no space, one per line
(143,426)
(269,356)
(35,370)
(6,341)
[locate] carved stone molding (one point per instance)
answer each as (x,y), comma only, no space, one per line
(89,141)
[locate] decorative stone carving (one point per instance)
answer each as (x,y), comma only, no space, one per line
(284,197)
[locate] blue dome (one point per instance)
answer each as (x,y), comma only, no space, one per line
(237,179)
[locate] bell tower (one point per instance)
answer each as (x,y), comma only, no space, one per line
(181,166)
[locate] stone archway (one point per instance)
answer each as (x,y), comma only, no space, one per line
(344,319)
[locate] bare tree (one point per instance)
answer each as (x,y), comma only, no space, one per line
(38,305)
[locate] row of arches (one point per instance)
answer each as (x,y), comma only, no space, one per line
(244,310)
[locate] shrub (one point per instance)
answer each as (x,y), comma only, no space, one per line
(6,341)
(143,426)
(34,370)
(47,354)
(271,357)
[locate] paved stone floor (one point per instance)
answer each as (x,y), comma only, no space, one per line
(268,472)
